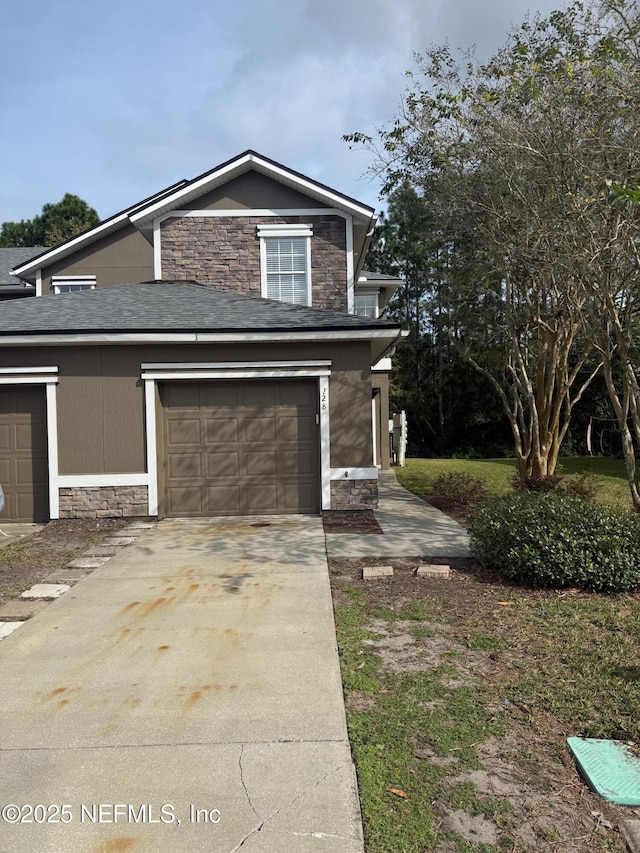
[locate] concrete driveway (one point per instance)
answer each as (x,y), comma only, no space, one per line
(184,697)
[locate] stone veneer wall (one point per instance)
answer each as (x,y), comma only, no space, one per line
(354,494)
(224,252)
(103,501)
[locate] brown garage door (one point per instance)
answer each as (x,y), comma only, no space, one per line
(23,453)
(241,449)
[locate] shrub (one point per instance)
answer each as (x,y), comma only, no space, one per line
(460,488)
(554,540)
(549,483)
(584,485)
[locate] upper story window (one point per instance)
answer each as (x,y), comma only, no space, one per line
(366,305)
(285,262)
(72,283)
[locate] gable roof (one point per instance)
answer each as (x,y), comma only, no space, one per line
(178,195)
(85,238)
(179,311)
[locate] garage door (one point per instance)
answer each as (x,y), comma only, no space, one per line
(23,454)
(241,449)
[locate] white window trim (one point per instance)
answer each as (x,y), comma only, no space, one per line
(284,231)
(84,282)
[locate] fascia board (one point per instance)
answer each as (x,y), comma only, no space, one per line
(386,337)
(68,248)
(113,223)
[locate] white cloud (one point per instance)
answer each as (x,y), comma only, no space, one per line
(136,96)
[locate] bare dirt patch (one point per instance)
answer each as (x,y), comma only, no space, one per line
(527,788)
(31,559)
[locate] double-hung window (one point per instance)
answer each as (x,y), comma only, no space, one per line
(285,262)
(72,283)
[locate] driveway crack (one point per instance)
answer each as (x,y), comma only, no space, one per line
(242,782)
(261,826)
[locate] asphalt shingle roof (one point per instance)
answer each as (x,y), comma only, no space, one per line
(10,258)
(170,306)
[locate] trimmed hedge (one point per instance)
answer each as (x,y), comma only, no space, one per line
(553,540)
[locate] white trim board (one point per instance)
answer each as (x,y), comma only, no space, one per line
(229,365)
(27,370)
(354,473)
(230,374)
(124,338)
(87,481)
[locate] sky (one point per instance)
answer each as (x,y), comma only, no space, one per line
(113,101)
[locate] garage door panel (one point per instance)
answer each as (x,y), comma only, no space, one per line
(23,453)
(223,500)
(259,394)
(221,429)
(24,473)
(258,445)
(5,437)
(296,463)
(182,466)
(223,464)
(183,396)
(23,436)
(262,498)
(218,396)
(185,500)
(302,496)
(297,394)
(5,473)
(257,429)
(293,428)
(260,463)
(184,432)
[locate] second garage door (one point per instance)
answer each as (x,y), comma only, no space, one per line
(240,449)
(23,454)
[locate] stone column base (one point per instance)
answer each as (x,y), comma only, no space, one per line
(103,501)
(354,494)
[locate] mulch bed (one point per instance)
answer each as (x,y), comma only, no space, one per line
(350,521)
(28,561)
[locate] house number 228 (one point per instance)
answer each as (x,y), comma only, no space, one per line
(323,400)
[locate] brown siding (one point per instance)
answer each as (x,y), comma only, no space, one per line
(101,398)
(253,191)
(124,257)
(224,252)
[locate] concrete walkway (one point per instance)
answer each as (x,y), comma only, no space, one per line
(411,528)
(184,697)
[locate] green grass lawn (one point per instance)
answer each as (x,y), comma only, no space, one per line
(444,686)
(497,474)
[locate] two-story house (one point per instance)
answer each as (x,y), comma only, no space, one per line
(200,354)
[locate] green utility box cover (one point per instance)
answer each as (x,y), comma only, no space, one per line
(610,768)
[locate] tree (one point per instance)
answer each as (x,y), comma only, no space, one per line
(520,150)
(57,223)
(448,409)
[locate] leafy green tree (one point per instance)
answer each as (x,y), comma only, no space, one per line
(524,152)
(429,380)
(57,223)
